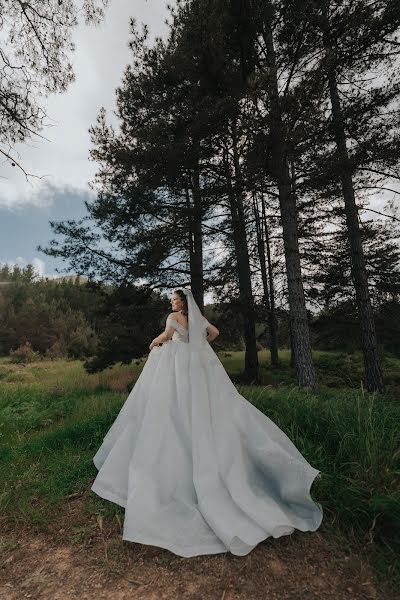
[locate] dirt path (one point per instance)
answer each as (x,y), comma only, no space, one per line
(86,559)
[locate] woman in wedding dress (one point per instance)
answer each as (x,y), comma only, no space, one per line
(198,468)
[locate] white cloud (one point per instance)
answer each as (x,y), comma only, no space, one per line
(99,62)
(40,266)
(41,196)
(37,263)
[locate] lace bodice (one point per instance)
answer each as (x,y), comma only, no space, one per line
(181,332)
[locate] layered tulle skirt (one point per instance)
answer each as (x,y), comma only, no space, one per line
(198,468)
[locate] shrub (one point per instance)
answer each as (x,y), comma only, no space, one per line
(56,351)
(82,342)
(24,354)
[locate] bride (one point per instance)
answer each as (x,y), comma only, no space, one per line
(198,468)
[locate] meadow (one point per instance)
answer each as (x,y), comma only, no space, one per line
(53,416)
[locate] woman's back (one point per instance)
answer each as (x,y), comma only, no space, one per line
(181,329)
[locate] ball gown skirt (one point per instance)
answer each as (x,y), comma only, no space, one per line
(198,468)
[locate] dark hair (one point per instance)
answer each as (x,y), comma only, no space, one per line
(182,296)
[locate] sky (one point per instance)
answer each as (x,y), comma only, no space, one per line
(62,161)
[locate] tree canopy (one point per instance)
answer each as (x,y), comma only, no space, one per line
(249,144)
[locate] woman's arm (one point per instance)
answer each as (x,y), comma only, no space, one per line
(163,337)
(212,332)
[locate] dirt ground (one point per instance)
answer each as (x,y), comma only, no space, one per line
(86,558)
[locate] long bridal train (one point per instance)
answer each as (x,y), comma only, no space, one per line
(198,468)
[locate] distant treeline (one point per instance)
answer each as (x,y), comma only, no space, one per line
(74,318)
(102,324)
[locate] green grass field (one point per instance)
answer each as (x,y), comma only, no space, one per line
(53,417)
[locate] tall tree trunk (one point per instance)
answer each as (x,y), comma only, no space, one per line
(272,321)
(372,369)
(243,268)
(279,166)
(292,348)
(260,224)
(196,242)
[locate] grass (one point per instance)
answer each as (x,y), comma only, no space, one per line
(334,370)
(53,417)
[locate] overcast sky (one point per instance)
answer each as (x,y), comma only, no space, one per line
(99,60)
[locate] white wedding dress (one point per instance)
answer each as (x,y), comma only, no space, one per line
(198,468)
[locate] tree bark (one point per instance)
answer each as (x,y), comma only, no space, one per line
(272,321)
(261,226)
(243,266)
(196,242)
(280,169)
(292,348)
(372,369)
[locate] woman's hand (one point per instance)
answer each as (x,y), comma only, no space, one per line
(160,339)
(155,342)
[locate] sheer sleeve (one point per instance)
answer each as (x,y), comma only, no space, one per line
(171,322)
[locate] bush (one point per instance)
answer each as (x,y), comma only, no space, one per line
(56,351)
(82,342)
(24,354)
